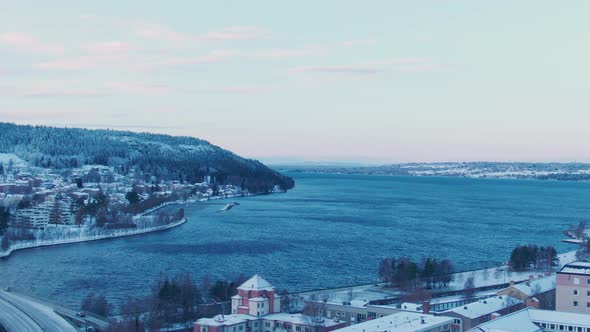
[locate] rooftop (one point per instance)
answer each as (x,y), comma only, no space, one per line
(550,316)
(256,283)
(576,268)
(299,319)
(484,307)
(519,321)
(400,322)
(525,319)
(538,286)
(225,320)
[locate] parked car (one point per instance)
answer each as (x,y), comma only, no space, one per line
(7,289)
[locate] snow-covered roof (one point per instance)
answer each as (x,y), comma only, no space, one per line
(298,319)
(400,322)
(237,297)
(538,286)
(519,321)
(527,320)
(550,316)
(225,320)
(485,307)
(256,283)
(576,268)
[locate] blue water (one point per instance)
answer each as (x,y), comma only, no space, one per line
(330,230)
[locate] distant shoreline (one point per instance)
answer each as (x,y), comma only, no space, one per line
(442,176)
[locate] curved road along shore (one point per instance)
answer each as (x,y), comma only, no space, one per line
(19,314)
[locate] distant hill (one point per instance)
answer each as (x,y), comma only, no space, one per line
(163,156)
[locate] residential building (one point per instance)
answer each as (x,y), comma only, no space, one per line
(407,322)
(573,288)
(538,293)
(34,217)
(475,313)
(535,320)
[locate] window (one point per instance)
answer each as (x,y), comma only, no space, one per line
(575,303)
(588,292)
(561,327)
(553,326)
(570,328)
(204,329)
(576,281)
(575,292)
(267,324)
(587,304)
(241,327)
(298,328)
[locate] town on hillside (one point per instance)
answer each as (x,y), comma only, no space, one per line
(40,206)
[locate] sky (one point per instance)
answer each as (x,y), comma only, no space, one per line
(330,81)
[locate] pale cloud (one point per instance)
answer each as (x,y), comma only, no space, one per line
(237,33)
(379,66)
(142,88)
(354,70)
(278,53)
(50,89)
(240,90)
(108,47)
(158,31)
(150,89)
(84,62)
(165,33)
(25,42)
(211,57)
(359,42)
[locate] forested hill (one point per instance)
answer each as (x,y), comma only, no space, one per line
(163,156)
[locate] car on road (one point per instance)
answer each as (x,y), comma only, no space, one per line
(81,314)
(7,289)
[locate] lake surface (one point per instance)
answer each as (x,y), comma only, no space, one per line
(331,230)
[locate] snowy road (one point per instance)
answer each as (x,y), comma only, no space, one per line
(20,314)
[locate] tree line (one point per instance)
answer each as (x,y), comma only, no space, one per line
(148,155)
(172,300)
(532,257)
(404,273)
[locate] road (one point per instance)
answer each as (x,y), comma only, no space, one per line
(19,314)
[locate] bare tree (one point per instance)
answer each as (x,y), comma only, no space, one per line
(579,230)
(469,288)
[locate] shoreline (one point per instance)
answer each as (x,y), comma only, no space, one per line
(46,243)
